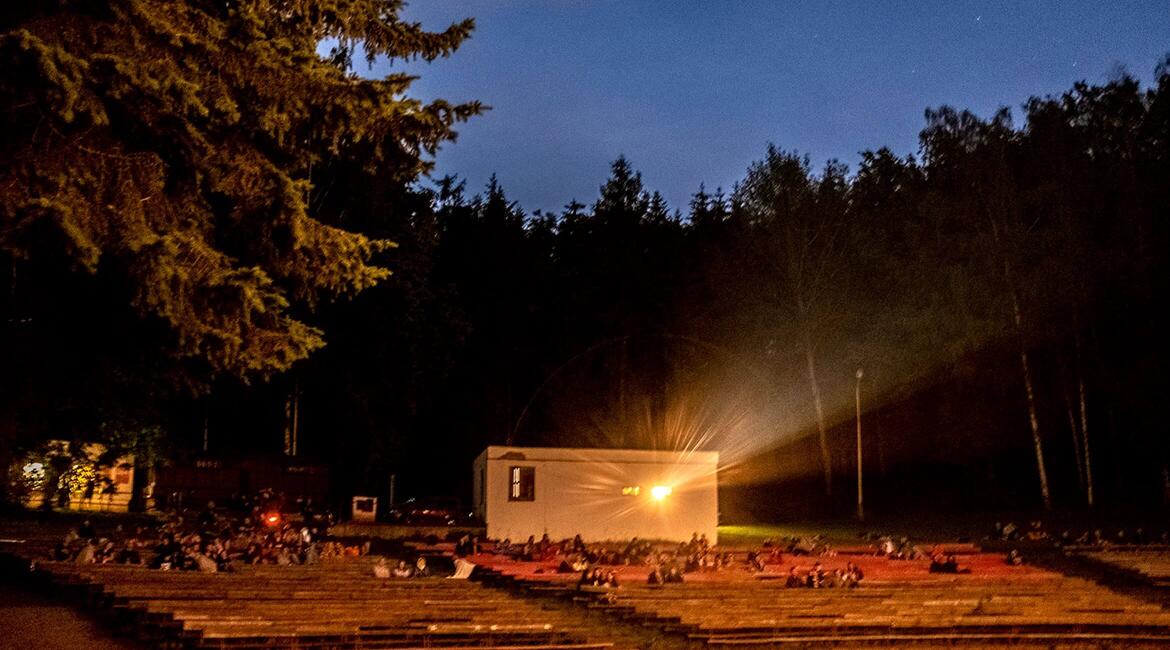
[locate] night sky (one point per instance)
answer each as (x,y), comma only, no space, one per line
(693,92)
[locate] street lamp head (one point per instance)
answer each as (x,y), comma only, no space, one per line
(859,373)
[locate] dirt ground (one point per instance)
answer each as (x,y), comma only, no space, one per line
(30,620)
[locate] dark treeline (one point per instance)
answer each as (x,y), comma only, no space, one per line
(1001,292)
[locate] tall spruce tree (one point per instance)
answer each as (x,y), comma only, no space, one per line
(166,147)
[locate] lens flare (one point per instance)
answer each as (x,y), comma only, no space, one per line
(660,492)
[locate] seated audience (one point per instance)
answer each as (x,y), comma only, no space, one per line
(402,570)
(590,578)
(611,579)
(381,570)
(656,577)
(208,542)
(815,578)
(853,574)
(793,580)
(945,563)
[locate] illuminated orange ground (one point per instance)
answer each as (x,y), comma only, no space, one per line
(983,566)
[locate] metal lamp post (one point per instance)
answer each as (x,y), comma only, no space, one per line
(857,399)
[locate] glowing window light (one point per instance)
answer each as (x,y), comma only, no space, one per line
(631,491)
(34,475)
(660,492)
(79,478)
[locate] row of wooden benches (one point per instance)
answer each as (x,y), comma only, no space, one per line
(342,605)
(1152,565)
(936,608)
(316,607)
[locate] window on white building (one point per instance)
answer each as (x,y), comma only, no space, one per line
(522,484)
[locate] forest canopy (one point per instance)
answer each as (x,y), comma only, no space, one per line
(1000,289)
(193,185)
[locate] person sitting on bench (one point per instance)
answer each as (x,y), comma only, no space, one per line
(656,577)
(816,577)
(853,575)
(381,570)
(611,580)
(793,581)
(420,568)
(402,570)
(947,564)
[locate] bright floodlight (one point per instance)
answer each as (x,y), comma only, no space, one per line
(660,492)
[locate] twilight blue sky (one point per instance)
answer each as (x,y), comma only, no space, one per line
(693,91)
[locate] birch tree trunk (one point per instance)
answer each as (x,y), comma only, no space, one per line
(1033,420)
(1025,368)
(1073,423)
(1083,400)
(818,406)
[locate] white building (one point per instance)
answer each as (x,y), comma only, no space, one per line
(601,494)
(90,484)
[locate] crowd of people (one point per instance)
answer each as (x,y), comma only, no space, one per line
(595,563)
(898,549)
(947,563)
(666,564)
(215,539)
(402,569)
(795,545)
(220,539)
(1036,531)
(818,577)
(574,554)
(597,578)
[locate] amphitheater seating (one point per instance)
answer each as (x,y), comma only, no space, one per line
(1153,565)
(899,602)
(328,606)
(340,605)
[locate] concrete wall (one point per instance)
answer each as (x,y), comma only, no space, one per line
(580,491)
